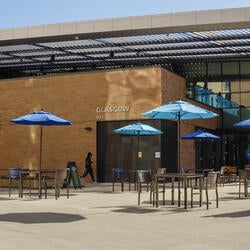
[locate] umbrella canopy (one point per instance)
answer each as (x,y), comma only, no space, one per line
(243,124)
(138,129)
(200,135)
(41,118)
(179,110)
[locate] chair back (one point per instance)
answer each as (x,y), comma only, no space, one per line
(205,171)
(117,173)
(244,174)
(228,170)
(161,171)
(212,178)
(247,167)
(14,173)
(61,175)
(144,176)
(184,170)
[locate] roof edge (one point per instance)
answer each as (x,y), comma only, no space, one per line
(234,18)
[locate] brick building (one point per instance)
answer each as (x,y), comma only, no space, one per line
(102,75)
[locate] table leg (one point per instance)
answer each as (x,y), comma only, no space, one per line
(192,193)
(179,192)
(156,193)
(185,193)
(201,185)
(39,186)
(20,186)
(172,201)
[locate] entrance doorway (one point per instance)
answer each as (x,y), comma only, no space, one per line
(121,151)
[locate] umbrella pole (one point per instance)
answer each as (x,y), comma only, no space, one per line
(120,153)
(41,147)
(137,157)
(178,143)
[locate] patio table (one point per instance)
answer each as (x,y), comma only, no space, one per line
(180,177)
(39,174)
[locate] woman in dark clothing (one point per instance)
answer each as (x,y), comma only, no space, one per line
(88,167)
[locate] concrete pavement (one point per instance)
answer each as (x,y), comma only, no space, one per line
(95,218)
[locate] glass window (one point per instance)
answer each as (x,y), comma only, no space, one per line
(230,68)
(214,69)
(245,68)
(245,101)
(214,87)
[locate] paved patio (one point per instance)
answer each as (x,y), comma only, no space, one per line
(95,218)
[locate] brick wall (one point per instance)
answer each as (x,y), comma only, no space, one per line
(74,97)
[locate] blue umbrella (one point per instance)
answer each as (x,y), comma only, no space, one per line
(41,118)
(138,129)
(179,110)
(200,135)
(243,124)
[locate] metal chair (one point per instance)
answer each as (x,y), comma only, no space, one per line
(244,177)
(145,179)
(228,173)
(184,170)
(14,175)
(210,183)
(60,181)
(160,184)
(131,179)
(117,176)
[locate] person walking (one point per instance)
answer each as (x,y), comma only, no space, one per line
(88,167)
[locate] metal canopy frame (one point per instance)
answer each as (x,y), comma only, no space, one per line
(127,51)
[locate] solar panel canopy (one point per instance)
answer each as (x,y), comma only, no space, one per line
(124,49)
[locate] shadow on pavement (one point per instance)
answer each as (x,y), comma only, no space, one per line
(134,210)
(129,209)
(30,218)
(245,213)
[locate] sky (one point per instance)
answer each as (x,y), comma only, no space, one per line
(22,13)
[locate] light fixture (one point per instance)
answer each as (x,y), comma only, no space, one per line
(88,128)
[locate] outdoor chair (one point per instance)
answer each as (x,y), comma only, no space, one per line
(123,176)
(161,171)
(247,167)
(244,177)
(210,183)
(14,175)
(117,176)
(161,184)
(60,181)
(184,170)
(145,180)
(205,171)
(228,173)
(130,178)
